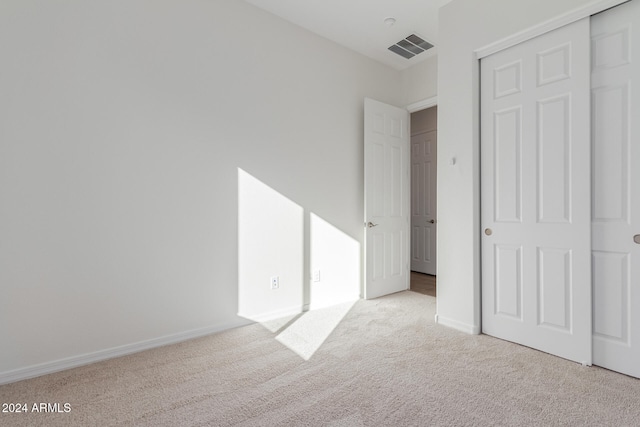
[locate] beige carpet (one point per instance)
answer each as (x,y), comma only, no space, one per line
(385,364)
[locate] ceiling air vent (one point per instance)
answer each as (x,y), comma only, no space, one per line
(410,46)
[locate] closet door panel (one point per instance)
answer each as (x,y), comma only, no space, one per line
(535,190)
(615,100)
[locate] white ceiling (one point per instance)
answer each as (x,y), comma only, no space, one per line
(359,24)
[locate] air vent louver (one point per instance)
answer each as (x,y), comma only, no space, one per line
(410,46)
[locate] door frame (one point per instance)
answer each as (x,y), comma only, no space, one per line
(581,12)
(423,104)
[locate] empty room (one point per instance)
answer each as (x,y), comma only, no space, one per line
(342,213)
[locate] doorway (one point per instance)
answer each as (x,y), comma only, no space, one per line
(388,145)
(423,200)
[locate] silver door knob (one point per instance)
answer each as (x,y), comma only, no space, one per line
(432,221)
(488,231)
(371,225)
(636,238)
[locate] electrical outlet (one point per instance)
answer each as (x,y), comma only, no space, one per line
(316,275)
(275,282)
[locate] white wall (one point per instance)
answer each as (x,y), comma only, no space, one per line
(420,82)
(467,25)
(123,127)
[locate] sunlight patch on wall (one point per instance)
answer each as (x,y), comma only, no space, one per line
(335,265)
(270,245)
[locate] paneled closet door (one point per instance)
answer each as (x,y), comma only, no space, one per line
(535,190)
(424,148)
(616,188)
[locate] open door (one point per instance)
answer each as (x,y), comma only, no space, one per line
(387,204)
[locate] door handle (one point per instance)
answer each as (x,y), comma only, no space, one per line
(488,231)
(432,221)
(636,238)
(371,225)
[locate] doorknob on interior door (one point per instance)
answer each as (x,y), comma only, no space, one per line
(432,221)
(636,238)
(371,225)
(488,231)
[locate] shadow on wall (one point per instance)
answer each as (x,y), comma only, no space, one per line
(290,260)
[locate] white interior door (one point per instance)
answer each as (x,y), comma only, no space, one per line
(386,188)
(616,189)
(423,202)
(535,160)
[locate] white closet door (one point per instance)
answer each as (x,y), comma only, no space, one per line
(616,188)
(423,202)
(535,189)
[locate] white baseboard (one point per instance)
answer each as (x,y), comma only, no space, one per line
(276,314)
(460,326)
(88,358)
(349,299)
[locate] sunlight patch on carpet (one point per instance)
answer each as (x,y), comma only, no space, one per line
(311,329)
